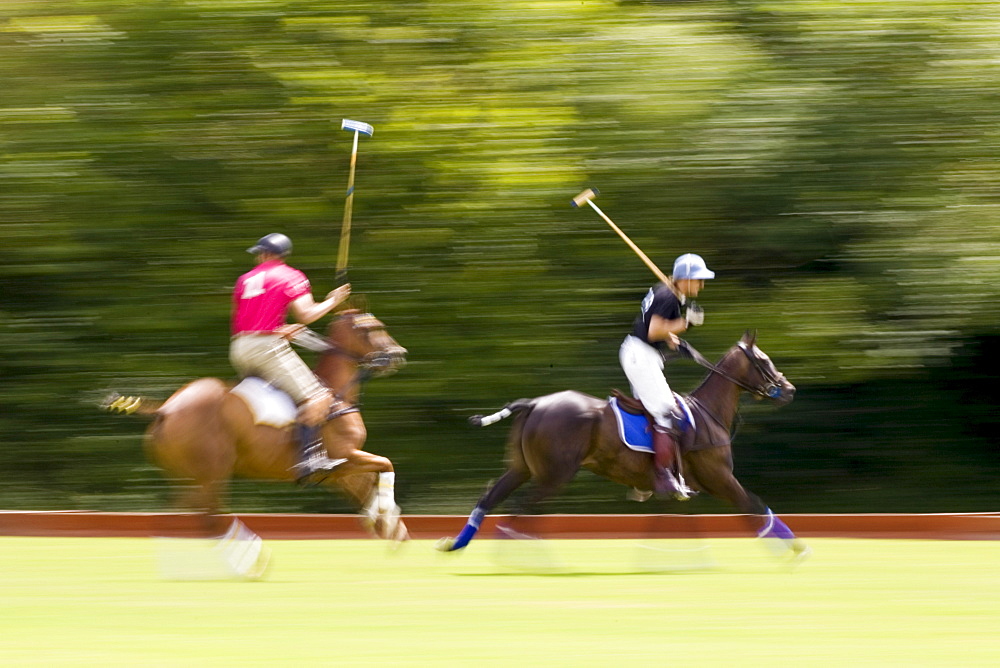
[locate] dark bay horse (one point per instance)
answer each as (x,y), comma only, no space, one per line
(553,436)
(204,434)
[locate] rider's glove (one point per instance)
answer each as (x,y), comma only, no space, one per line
(694,315)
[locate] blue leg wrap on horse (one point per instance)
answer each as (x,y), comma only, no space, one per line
(775,528)
(470,529)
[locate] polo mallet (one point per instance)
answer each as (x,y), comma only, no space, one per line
(357,127)
(588,196)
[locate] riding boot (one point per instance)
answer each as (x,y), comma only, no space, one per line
(314,465)
(669,481)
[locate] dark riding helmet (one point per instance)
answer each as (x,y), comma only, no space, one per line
(276,244)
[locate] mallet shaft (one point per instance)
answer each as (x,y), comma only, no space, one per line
(642,256)
(345,231)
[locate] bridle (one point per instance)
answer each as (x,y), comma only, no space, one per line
(375,363)
(770,388)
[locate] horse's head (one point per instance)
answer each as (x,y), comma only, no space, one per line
(362,336)
(757,373)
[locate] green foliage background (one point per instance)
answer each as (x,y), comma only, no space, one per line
(835,162)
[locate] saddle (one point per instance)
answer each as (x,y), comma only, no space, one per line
(635,424)
(629,404)
(273,407)
(269,405)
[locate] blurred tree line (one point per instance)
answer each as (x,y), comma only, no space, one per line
(835,162)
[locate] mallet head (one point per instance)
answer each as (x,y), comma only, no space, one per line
(356,126)
(585,196)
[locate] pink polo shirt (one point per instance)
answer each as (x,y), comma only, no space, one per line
(262,296)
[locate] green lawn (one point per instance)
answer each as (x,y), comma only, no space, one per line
(723,602)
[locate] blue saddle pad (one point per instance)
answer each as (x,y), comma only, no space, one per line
(636,431)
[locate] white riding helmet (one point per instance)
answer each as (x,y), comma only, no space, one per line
(691,266)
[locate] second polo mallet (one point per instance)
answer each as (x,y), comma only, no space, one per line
(357,127)
(588,196)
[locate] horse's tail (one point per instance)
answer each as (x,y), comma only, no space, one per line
(508,410)
(117,403)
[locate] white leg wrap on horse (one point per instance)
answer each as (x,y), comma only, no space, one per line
(386,491)
(242,551)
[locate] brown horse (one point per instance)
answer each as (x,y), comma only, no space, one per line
(205,433)
(553,436)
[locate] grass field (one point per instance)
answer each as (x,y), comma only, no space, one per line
(723,602)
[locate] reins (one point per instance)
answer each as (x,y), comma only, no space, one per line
(688,350)
(766,391)
(365,364)
(310,340)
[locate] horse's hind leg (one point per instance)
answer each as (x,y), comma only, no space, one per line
(358,488)
(344,438)
(528,504)
(378,496)
(494,496)
(712,471)
(205,498)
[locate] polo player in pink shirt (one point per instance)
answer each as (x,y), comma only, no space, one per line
(261,301)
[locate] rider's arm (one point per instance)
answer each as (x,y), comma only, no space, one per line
(661,329)
(306,310)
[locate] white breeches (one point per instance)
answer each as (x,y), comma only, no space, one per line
(643,366)
(271,358)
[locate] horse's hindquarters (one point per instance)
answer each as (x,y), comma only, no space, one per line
(558,434)
(187,438)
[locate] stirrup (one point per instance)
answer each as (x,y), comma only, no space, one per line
(676,488)
(314,462)
(683,491)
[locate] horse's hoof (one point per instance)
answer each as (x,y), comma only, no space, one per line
(387,524)
(401,535)
(800,552)
(368,524)
(507,532)
(445,544)
(261,566)
(640,495)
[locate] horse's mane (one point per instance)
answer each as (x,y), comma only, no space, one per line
(341,315)
(710,374)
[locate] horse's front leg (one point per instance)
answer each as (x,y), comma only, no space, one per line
(712,471)
(495,494)
(204,497)
(344,437)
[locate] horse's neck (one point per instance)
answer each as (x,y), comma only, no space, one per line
(720,397)
(338,372)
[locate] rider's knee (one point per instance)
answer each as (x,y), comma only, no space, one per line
(316,409)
